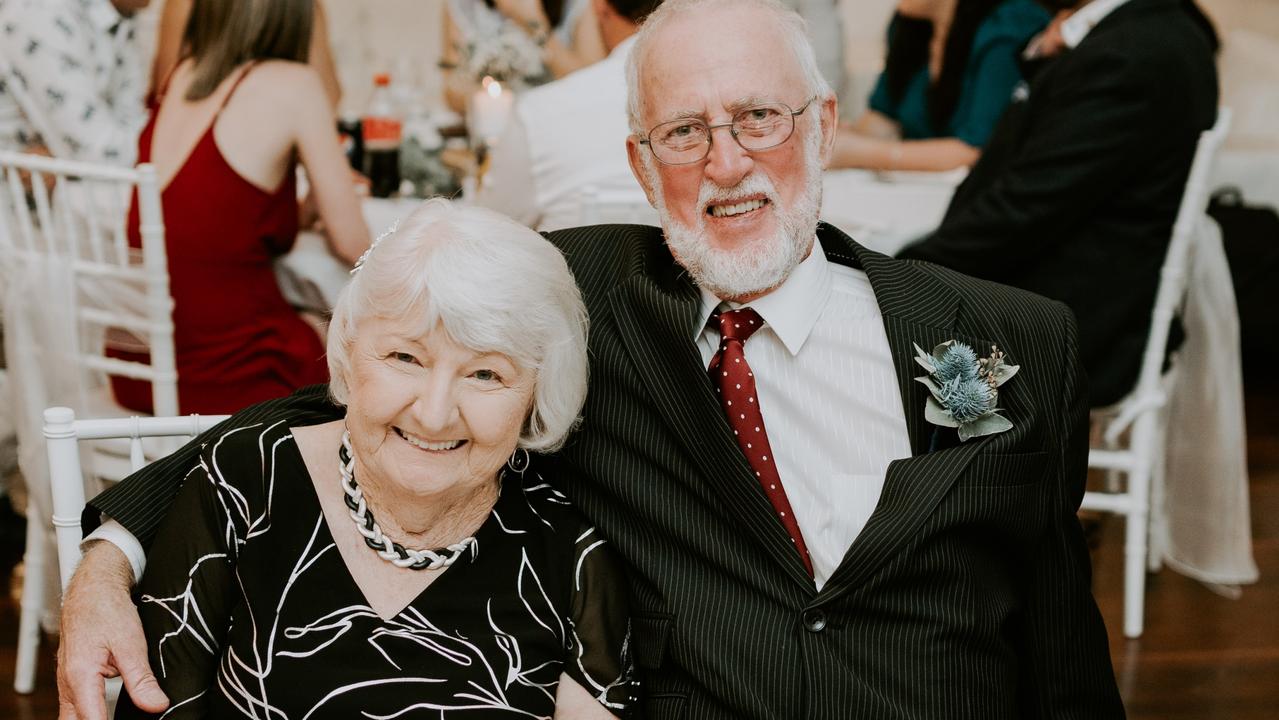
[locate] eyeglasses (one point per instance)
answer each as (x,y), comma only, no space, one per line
(688,140)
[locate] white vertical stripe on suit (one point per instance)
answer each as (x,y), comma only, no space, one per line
(829,397)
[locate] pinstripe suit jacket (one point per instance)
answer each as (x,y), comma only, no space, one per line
(966,595)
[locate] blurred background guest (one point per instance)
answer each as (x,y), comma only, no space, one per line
(173,22)
(71,78)
(226,137)
(825,26)
(950,71)
(569,134)
(557,36)
(1076,194)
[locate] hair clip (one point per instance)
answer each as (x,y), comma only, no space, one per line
(365,255)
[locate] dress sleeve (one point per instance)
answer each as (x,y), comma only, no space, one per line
(599,649)
(186,595)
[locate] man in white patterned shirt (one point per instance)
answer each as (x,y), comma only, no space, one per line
(71,78)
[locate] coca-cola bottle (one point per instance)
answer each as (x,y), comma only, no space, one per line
(381,128)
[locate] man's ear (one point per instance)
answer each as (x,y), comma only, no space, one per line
(828,115)
(636,160)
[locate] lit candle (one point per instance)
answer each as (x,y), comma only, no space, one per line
(490,108)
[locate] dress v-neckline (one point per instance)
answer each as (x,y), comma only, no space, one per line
(325,532)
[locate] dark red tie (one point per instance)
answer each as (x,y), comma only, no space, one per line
(735,384)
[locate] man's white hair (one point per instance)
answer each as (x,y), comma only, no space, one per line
(495,286)
(789,22)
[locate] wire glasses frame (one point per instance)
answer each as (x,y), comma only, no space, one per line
(688,140)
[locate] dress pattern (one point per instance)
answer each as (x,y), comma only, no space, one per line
(250,611)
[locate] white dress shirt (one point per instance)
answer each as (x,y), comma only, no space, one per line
(71,79)
(1076,27)
(829,396)
(563,137)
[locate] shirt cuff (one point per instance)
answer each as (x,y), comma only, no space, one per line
(116,534)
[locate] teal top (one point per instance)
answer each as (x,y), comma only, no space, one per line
(989,78)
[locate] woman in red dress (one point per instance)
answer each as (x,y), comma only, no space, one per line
(225,136)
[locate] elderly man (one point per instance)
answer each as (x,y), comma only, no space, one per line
(804,538)
(71,79)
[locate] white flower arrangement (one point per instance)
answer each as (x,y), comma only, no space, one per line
(510,56)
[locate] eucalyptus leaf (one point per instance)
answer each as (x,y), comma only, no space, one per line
(985,425)
(941,349)
(938,415)
(923,359)
(931,385)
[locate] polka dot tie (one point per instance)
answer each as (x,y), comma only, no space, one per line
(735,383)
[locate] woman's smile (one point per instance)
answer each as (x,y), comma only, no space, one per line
(424,444)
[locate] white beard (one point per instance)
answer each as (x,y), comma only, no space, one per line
(757,264)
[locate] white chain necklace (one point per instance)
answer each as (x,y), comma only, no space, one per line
(386,548)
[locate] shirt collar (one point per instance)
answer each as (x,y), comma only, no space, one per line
(791,309)
(1076,27)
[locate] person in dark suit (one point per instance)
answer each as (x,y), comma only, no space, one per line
(1075,196)
(802,538)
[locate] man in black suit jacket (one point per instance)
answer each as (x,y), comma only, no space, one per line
(1075,196)
(964,594)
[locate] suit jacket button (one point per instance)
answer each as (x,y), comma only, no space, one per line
(814,621)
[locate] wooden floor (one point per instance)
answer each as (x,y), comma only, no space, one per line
(1202,656)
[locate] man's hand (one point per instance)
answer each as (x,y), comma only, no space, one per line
(101,638)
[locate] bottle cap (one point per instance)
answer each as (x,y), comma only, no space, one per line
(382,79)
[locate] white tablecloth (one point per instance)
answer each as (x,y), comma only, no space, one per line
(311,277)
(885,211)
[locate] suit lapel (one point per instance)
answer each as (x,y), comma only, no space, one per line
(916,309)
(656,319)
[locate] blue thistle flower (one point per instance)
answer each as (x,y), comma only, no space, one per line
(958,362)
(967,399)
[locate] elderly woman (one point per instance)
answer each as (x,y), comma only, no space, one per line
(410,560)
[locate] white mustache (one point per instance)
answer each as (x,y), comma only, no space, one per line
(754,184)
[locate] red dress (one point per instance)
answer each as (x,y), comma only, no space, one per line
(237,340)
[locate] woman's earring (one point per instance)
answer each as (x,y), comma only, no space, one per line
(519,461)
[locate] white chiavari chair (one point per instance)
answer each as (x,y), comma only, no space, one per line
(1133,431)
(62,435)
(70,280)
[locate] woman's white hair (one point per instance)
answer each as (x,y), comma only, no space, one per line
(788,21)
(495,286)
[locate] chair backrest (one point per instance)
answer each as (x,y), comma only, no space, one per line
(1180,256)
(78,232)
(607,205)
(62,433)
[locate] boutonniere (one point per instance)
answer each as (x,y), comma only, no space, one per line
(964,389)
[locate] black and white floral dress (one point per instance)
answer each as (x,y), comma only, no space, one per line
(250,611)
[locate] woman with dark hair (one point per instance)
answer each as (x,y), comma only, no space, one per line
(950,71)
(226,133)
